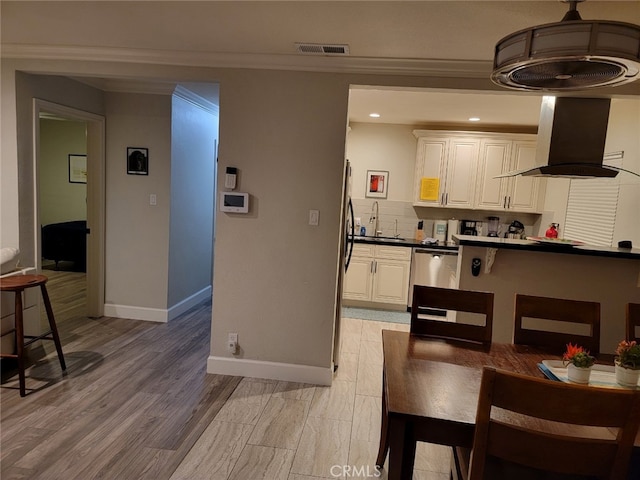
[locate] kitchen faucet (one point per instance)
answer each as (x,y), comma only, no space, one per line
(375,218)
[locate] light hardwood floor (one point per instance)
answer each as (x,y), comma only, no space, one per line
(137,403)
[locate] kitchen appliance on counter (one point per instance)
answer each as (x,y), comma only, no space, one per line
(469,227)
(440,230)
(515,230)
(452,229)
(493,226)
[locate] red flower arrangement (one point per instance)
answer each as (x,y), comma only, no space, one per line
(578,356)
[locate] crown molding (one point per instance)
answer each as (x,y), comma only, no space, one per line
(196,100)
(299,62)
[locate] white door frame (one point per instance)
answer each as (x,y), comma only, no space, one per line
(95,196)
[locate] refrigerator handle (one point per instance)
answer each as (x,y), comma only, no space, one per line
(351,240)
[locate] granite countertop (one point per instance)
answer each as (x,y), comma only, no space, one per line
(532,245)
(403,242)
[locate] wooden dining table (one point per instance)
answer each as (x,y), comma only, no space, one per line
(430,391)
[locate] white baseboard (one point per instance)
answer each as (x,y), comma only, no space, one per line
(157,314)
(287,372)
(136,313)
(187,303)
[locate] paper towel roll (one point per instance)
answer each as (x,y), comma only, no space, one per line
(452,228)
(440,230)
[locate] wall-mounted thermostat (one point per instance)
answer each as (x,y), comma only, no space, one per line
(234,202)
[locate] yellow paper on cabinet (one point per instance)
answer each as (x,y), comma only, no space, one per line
(429,188)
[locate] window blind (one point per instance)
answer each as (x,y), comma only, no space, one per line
(592,207)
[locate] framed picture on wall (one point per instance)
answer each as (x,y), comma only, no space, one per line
(377,184)
(137,161)
(77,168)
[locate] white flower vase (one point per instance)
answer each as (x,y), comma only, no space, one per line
(627,377)
(578,374)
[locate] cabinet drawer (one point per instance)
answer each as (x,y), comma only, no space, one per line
(360,250)
(393,253)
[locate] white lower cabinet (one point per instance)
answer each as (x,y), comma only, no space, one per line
(378,274)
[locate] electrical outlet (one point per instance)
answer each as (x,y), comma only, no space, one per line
(232,343)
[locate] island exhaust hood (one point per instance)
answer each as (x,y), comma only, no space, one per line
(571,137)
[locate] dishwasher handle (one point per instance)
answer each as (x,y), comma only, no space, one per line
(435,251)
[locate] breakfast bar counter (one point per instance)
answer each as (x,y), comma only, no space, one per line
(610,276)
(547,247)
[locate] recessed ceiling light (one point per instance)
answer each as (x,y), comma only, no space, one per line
(474,119)
(374,115)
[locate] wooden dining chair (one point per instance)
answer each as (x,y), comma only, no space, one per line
(429,299)
(526,426)
(426,299)
(561,312)
(633,321)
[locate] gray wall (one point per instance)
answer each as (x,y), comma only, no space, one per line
(137,233)
(194,132)
(275,275)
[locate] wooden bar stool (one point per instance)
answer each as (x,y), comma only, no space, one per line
(18,284)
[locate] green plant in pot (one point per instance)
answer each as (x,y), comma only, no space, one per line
(627,363)
(579,363)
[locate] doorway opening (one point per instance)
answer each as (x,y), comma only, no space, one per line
(69,185)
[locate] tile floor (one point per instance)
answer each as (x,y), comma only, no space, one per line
(284,431)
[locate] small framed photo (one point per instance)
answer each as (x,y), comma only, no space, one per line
(77,168)
(377,184)
(137,161)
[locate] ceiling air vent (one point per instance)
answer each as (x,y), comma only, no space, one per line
(322,49)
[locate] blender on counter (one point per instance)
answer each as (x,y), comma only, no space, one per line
(493,227)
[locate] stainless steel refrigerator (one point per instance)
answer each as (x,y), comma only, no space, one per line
(347,232)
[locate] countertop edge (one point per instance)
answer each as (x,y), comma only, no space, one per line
(530,245)
(408,243)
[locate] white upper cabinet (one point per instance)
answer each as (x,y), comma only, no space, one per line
(445,172)
(526,193)
(495,158)
(503,155)
(431,163)
(461,172)
(458,170)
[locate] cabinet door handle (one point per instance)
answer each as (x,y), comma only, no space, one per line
(509,203)
(371,267)
(442,199)
(504,203)
(375,266)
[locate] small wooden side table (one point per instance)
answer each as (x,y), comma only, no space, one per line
(18,284)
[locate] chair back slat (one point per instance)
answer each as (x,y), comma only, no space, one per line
(425,298)
(559,310)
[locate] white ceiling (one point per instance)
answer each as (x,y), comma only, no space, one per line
(451,38)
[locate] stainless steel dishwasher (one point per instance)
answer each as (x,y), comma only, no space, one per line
(433,267)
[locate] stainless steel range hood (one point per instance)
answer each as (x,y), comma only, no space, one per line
(571,138)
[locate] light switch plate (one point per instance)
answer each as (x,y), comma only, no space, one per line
(314,217)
